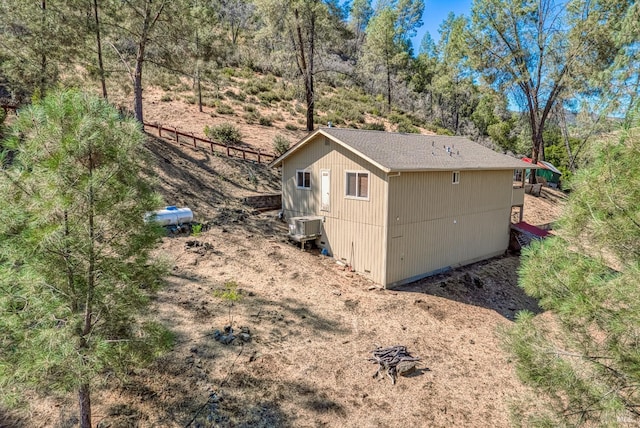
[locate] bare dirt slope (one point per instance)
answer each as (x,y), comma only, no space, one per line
(312,326)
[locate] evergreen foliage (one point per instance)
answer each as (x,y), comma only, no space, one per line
(280,144)
(226,133)
(76,272)
(585,356)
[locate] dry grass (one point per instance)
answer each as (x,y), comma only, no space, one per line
(313,325)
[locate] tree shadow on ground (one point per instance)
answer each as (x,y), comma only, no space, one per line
(287,312)
(166,153)
(241,398)
(490,284)
(9,419)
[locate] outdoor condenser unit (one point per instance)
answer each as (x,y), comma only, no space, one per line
(305,226)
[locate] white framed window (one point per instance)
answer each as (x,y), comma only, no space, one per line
(357,185)
(455,179)
(303,179)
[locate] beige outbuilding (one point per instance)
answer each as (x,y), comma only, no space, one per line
(398,207)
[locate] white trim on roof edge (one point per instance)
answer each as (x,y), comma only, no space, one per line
(305,140)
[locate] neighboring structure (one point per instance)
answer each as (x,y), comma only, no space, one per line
(546,170)
(399,207)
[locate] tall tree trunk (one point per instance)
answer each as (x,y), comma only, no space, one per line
(84,392)
(43,55)
(137,86)
(310,96)
(565,134)
(305,66)
(537,143)
(388,82)
(99,45)
(198,85)
(84,400)
(147,25)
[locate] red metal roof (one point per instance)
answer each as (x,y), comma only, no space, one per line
(526,227)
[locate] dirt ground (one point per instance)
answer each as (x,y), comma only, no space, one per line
(311,326)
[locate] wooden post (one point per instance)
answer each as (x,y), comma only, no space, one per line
(211,144)
(175,130)
(244,155)
(258,155)
(159,130)
(194,140)
(228,154)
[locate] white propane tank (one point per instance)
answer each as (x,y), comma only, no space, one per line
(170,216)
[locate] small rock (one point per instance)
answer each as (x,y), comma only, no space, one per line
(245,337)
(336,293)
(405,368)
(194,350)
(217,335)
(373,287)
(228,339)
(228,329)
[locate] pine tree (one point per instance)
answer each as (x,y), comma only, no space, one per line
(584,355)
(75,267)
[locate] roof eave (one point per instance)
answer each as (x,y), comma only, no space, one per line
(277,162)
(452,168)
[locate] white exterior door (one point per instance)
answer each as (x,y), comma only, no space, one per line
(325,185)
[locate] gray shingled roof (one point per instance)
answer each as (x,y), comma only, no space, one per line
(415,152)
(409,152)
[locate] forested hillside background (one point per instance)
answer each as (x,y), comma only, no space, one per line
(536,78)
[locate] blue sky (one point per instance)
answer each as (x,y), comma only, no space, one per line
(435,11)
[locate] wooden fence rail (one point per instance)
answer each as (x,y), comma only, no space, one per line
(204,143)
(196,142)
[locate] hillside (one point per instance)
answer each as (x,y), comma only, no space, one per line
(262,107)
(312,326)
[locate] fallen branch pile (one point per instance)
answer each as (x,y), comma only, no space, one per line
(395,360)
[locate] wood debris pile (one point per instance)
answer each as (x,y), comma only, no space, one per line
(394,360)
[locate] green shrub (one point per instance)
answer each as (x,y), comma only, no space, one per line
(290,127)
(280,144)
(166,98)
(265,121)
(269,97)
(334,118)
(240,96)
(252,117)
(396,118)
(249,108)
(376,126)
(196,229)
(444,131)
(224,109)
(228,71)
(210,103)
(407,127)
(190,99)
(226,133)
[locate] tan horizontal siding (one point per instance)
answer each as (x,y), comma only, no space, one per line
(419,248)
(419,196)
(354,229)
(434,224)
